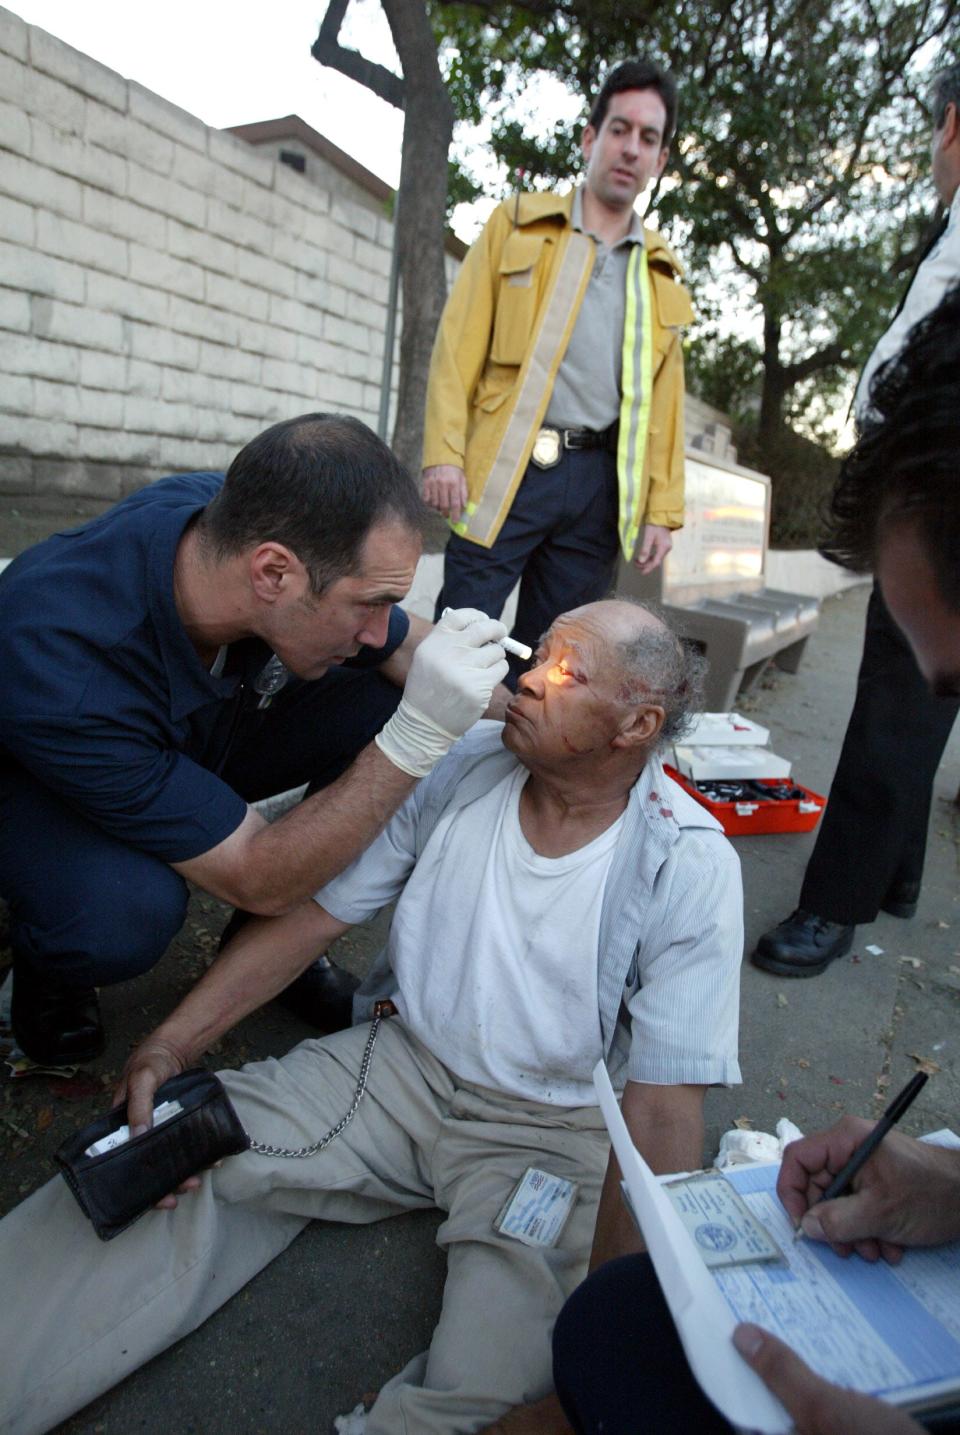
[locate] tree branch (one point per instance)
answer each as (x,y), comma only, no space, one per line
(327,49)
(543,9)
(744,265)
(823,358)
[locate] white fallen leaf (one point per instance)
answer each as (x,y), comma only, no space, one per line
(353,1423)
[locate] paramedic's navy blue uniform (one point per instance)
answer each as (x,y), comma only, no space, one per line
(121,753)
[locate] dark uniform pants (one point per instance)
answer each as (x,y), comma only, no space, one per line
(874,831)
(559,538)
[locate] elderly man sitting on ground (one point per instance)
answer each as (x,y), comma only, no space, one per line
(559,901)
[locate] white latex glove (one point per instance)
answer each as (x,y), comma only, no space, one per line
(452,676)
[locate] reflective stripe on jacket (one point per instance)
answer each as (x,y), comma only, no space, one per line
(501,340)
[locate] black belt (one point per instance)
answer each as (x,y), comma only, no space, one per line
(550,443)
(587,438)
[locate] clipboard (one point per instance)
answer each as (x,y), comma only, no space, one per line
(895,1331)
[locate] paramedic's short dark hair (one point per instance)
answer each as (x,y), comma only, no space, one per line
(316,484)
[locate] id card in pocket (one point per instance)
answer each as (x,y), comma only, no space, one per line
(536,1211)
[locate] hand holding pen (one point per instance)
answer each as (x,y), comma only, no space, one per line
(842,1183)
(905,1192)
(843,1180)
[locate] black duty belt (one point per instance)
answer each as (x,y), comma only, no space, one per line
(550,443)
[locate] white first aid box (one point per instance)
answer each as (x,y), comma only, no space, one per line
(725,730)
(733,763)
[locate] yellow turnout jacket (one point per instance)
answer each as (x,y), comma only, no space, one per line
(501,340)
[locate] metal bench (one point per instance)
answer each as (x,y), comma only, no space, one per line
(711,584)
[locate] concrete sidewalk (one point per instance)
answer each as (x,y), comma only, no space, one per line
(345,1307)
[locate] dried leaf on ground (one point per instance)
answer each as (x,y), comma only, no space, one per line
(924,1063)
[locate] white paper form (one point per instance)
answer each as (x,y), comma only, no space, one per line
(704,1320)
(886,1330)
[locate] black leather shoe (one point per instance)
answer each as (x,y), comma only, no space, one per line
(322,996)
(802,946)
(901,899)
(53,1025)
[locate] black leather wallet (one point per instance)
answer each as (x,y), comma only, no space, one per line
(115,1187)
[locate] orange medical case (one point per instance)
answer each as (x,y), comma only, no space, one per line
(747,816)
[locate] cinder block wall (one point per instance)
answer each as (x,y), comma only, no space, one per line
(166,291)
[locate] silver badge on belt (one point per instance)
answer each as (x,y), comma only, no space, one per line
(546,448)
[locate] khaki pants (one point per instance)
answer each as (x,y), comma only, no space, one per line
(77,1315)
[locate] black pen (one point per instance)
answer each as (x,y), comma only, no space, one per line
(840,1185)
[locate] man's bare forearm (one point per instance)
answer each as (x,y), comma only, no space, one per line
(268,868)
(615,1234)
(262,959)
(322,835)
(666,1126)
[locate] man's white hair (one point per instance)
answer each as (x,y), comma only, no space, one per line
(657,666)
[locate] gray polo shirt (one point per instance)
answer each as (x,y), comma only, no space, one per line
(586,392)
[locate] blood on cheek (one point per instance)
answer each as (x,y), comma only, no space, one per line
(570,746)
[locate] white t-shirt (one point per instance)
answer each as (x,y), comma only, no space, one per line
(497,970)
(665,957)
